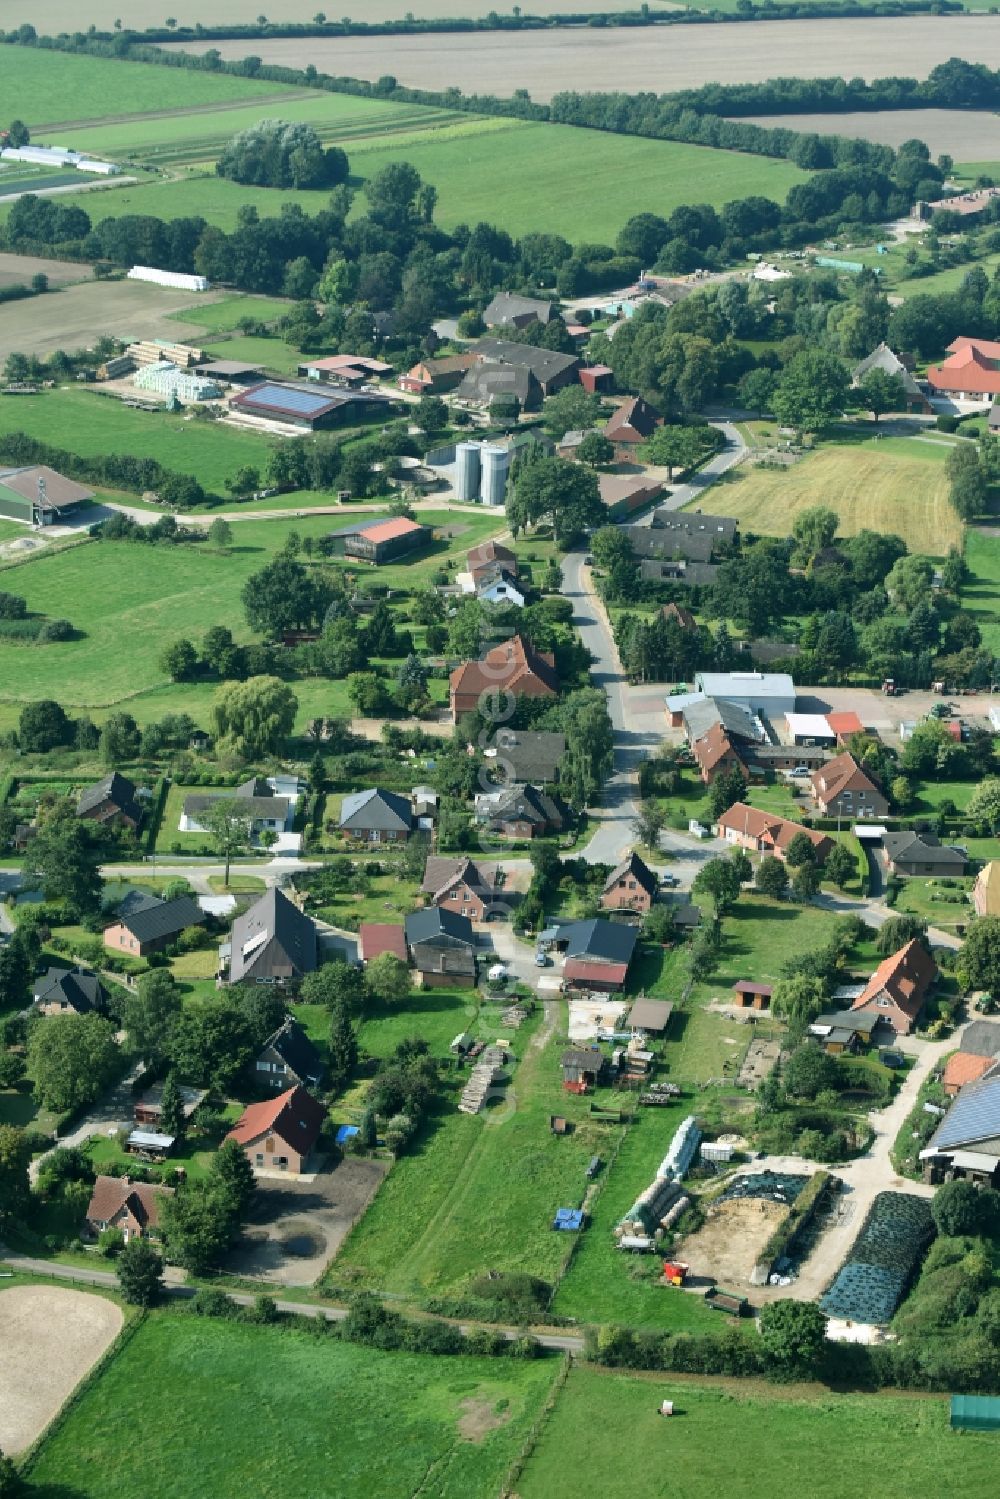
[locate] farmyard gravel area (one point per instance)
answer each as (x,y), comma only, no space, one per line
(49,1338)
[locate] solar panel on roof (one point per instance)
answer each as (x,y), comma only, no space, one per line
(304,401)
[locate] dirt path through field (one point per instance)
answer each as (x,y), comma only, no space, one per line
(49,1339)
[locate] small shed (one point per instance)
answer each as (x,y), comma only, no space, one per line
(750,996)
(649,1016)
(975,1413)
(568,1220)
(582,1066)
(148,1143)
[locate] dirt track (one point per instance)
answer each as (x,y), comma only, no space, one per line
(544,62)
(49,1339)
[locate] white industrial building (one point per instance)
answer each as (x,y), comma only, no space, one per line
(771,693)
(174,279)
(167,380)
(56,156)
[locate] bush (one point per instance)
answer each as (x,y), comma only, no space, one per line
(111,1242)
(209,1302)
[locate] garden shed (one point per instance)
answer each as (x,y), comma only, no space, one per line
(975,1413)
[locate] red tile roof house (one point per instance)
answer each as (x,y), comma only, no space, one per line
(436,376)
(378,937)
(842,789)
(715,752)
(118,1202)
(489,554)
(898,988)
(766,833)
(462,886)
(280,1133)
(514,668)
(961,1068)
(970,373)
(844,725)
(630,426)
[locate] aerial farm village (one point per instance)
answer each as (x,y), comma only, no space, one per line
(500,751)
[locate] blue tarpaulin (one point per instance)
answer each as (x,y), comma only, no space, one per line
(346,1132)
(570,1220)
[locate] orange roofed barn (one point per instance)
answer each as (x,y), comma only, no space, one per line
(766,833)
(898,988)
(279,1134)
(512,667)
(971,372)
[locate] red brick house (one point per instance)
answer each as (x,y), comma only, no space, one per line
(629,887)
(279,1134)
(433,377)
(153,925)
(632,424)
(513,667)
(766,833)
(491,554)
(460,885)
(715,753)
(898,988)
(840,788)
(970,373)
(118,1202)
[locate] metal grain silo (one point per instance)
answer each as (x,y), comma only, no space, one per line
(467,470)
(496,466)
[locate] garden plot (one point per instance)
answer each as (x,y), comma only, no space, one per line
(49,1339)
(732,1240)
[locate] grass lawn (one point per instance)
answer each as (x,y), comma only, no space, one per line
(42,87)
(220,317)
(19,1106)
(271,354)
(239,884)
(981,595)
(896,485)
(104,1151)
(733,1439)
(435,1015)
(604,1285)
(396,1429)
(479,1192)
(940,903)
(93,425)
(388,897)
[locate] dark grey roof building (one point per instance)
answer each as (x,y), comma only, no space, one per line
(610,941)
(551,369)
(162,921)
(526,755)
(273,942)
(486,383)
(912,853)
(438,927)
(69,989)
(375,810)
(288,1058)
(112,800)
(982,1039)
(510,310)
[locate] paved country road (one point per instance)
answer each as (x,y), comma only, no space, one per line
(723,461)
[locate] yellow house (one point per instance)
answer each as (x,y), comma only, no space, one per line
(986,890)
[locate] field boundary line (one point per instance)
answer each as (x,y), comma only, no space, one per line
(535,1431)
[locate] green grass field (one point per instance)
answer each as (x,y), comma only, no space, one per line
(892,484)
(981,595)
(220,317)
(737,1438)
(479,1192)
(94,425)
(117,592)
(255,1412)
(44,87)
(583,184)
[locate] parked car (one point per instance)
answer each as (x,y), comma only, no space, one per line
(669,880)
(542,960)
(799,770)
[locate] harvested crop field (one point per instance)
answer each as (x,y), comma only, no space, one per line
(18,269)
(49,1339)
(896,485)
(545,62)
(965,134)
(729,1244)
(53,16)
(78,315)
